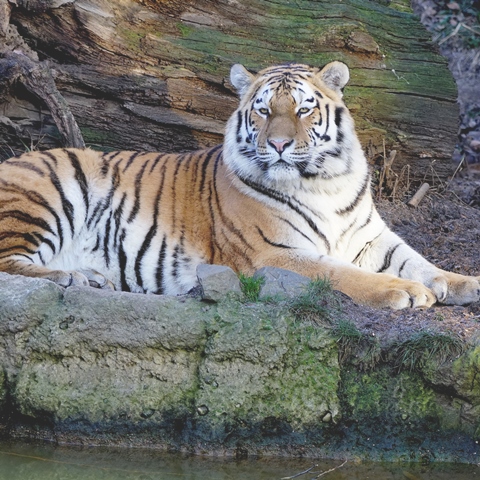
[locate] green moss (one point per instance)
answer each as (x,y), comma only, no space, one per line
(131,38)
(383,394)
(184,30)
(306,388)
(309,381)
(262,364)
(92,135)
(363,393)
(400,5)
(466,369)
(99,139)
(58,386)
(398,83)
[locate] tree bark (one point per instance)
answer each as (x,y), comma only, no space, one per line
(153,75)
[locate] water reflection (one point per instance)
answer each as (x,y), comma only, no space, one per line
(20,461)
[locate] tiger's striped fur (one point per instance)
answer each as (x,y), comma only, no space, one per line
(289,188)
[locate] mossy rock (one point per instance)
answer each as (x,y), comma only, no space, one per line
(236,377)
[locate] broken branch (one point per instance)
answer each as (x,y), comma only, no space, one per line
(299,474)
(37,77)
(331,470)
(418,197)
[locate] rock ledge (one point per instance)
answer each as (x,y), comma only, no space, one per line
(88,366)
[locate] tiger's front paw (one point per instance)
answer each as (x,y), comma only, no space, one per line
(67,278)
(454,289)
(80,278)
(398,293)
(407,293)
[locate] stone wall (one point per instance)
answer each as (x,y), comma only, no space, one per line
(231,377)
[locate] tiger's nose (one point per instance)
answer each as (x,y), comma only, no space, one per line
(279,145)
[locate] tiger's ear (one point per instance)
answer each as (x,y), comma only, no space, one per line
(335,76)
(240,78)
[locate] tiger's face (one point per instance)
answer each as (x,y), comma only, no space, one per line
(291,123)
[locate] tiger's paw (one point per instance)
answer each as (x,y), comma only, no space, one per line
(398,293)
(454,289)
(67,278)
(97,280)
(80,278)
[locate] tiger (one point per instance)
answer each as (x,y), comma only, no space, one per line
(290,188)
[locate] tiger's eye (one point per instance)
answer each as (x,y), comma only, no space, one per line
(303,110)
(264,111)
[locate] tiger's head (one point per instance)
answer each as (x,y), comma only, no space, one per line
(291,124)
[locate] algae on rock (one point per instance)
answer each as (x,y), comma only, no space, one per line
(259,364)
(96,361)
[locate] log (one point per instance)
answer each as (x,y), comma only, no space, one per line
(153,75)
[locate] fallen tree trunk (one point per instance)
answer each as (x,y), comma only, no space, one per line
(154,75)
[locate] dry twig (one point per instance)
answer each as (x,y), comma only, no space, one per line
(299,474)
(459,166)
(308,470)
(457,29)
(418,197)
(386,172)
(331,470)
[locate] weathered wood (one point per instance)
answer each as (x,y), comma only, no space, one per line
(146,74)
(37,78)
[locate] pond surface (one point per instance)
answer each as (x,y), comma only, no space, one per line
(21,461)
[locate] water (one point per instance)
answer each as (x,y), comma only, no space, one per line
(20,461)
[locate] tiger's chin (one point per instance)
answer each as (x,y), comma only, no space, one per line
(282,172)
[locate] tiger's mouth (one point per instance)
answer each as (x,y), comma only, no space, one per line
(277,165)
(281,162)
(290,169)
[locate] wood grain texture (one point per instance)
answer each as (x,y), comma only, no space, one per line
(153,75)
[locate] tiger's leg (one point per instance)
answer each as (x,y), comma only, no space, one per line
(390,254)
(64,278)
(368,288)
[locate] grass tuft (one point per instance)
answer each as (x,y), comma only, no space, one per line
(363,350)
(426,346)
(348,337)
(251,287)
(346,330)
(321,305)
(318,304)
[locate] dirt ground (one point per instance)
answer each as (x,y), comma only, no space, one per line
(447,232)
(445,227)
